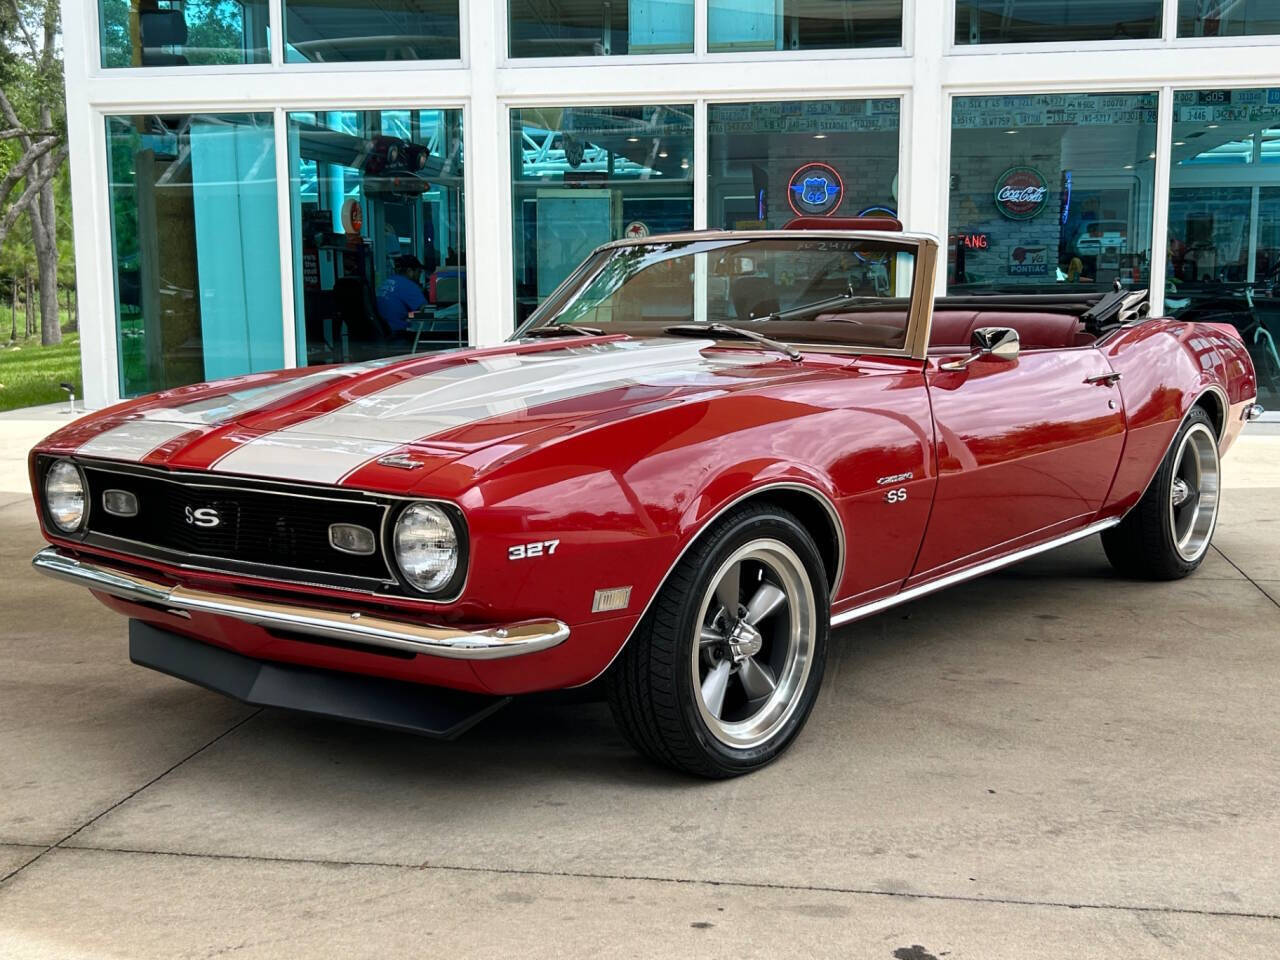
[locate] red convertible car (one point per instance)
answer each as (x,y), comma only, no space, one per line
(702,452)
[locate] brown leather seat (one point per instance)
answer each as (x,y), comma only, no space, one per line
(952,329)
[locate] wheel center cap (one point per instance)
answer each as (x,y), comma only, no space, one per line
(1181,492)
(744,641)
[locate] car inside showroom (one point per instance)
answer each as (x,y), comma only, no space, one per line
(645,478)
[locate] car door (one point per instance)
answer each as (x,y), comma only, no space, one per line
(1026,449)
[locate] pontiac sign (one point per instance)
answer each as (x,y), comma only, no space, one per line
(1021,193)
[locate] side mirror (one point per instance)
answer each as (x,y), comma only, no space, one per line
(989,343)
(998,343)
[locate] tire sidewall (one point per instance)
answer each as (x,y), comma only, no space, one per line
(1164,491)
(735,534)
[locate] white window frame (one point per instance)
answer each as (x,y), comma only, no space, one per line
(926,72)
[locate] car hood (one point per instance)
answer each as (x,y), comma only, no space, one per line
(388,424)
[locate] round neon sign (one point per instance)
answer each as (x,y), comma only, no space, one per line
(815,190)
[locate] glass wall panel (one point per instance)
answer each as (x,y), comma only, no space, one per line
(734,26)
(599,28)
(342,31)
(1198,18)
(379,242)
(588,175)
(1051,191)
(761,156)
(1055,21)
(196,248)
(1224,219)
(173,33)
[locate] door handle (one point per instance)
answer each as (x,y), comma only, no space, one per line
(1104,378)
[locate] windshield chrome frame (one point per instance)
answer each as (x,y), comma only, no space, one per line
(919,316)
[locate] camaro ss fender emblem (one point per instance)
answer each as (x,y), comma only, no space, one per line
(896,478)
(201,516)
(527,551)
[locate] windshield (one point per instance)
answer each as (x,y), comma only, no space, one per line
(800,290)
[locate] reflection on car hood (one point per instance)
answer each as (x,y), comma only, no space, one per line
(327,425)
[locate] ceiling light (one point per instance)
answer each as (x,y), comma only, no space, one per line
(819,136)
(633,139)
(1213,126)
(662,153)
(1011,131)
(1179,143)
(1128,166)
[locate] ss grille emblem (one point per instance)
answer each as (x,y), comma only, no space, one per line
(202,516)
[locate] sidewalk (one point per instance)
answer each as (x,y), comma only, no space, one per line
(20,430)
(1047,762)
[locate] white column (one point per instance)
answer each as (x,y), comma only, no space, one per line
(1255,198)
(1160,201)
(926,124)
(90,212)
(490,287)
(284,216)
(275,21)
(700,161)
(1169,26)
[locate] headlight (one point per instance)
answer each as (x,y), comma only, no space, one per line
(426,547)
(64,496)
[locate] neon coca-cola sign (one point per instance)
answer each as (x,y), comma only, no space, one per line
(1021,193)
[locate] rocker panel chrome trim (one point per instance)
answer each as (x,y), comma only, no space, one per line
(969,573)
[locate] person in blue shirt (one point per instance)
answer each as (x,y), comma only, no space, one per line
(400,295)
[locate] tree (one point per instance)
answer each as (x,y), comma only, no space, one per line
(32,111)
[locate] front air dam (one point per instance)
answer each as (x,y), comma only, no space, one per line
(376,701)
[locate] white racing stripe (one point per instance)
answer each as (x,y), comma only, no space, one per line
(149,429)
(328,447)
(291,456)
(133,439)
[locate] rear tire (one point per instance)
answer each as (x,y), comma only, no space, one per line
(719,693)
(1167,533)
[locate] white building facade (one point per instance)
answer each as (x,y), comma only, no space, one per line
(266,183)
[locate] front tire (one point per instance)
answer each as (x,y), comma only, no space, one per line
(725,667)
(1167,533)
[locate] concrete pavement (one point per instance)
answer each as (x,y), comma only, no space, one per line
(20,430)
(1049,762)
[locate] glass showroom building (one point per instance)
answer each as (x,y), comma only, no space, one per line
(248,174)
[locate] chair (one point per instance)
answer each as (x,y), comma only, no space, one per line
(437,326)
(753,297)
(320,317)
(367,333)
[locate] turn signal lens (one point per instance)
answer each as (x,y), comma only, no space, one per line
(352,538)
(64,496)
(120,503)
(615,598)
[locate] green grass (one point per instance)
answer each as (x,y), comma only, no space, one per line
(30,373)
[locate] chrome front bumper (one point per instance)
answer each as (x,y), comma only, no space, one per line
(491,643)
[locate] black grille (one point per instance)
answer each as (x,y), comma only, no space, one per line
(193,519)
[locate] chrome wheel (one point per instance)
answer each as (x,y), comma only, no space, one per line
(757,629)
(1193,497)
